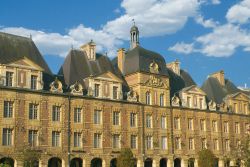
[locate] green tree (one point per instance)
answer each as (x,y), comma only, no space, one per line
(30,157)
(126,159)
(242,152)
(206,158)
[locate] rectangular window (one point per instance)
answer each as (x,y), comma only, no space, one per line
(77,139)
(33,111)
(237,128)
(56,113)
(216,144)
(188,101)
(116,118)
(235,107)
(8,109)
(33,138)
(162,100)
(97,116)
(201,103)
(177,123)
(214,126)
(115,92)
(133,120)
(191,144)
(190,124)
(149,142)
(33,83)
(56,138)
(9,78)
(225,127)
(163,122)
(116,141)
(203,143)
(195,101)
(203,125)
(97,90)
(97,140)
(133,141)
(77,115)
(7,137)
(227,145)
(177,143)
(148,121)
(164,143)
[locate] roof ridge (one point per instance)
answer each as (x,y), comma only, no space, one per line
(16,36)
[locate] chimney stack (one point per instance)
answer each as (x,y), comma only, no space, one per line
(90,49)
(220,76)
(120,59)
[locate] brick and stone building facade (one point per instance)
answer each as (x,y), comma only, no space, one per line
(93,107)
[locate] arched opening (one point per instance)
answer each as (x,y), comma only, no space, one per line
(238,162)
(216,162)
(96,162)
(135,162)
(113,162)
(7,161)
(76,162)
(191,162)
(32,162)
(227,163)
(177,162)
(163,162)
(148,162)
(55,162)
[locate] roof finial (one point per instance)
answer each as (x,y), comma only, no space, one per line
(133,20)
(30,36)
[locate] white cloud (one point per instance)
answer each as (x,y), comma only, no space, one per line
(210,23)
(239,13)
(58,44)
(216,2)
(221,42)
(182,48)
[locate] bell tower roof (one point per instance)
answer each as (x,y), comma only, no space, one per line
(134,36)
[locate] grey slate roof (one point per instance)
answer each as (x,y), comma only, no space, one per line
(179,82)
(215,91)
(139,60)
(76,67)
(13,48)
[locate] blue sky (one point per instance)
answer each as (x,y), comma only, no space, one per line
(205,35)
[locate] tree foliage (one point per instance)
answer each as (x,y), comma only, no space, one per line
(30,157)
(126,158)
(243,151)
(206,158)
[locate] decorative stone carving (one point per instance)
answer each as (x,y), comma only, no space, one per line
(76,88)
(212,105)
(175,101)
(156,82)
(154,68)
(132,96)
(56,86)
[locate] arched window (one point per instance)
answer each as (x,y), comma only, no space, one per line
(148,98)
(162,99)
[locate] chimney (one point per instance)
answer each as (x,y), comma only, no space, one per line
(220,76)
(90,49)
(175,67)
(120,59)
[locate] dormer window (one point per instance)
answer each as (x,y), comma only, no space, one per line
(97,91)
(33,84)
(201,103)
(148,98)
(9,78)
(188,101)
(195,101)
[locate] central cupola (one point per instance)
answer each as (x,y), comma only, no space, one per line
(134,36)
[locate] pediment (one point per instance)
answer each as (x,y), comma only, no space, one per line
(194,90)
(240,96)
(26,63)
(108,76)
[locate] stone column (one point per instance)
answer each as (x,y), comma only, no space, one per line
(170,162)
(103,163)
(184,163)
(18,163)
(221,163)
(196,163)
(232,163)
(155,163)
(84,163)
(140,163)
